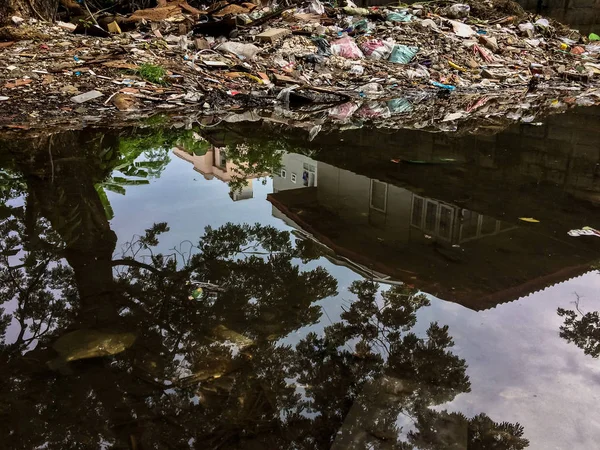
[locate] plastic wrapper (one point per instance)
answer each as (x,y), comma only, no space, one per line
(357,69)
(377,49)
(347,48)
(402,54)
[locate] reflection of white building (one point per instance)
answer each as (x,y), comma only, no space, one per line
(394,235)
(296,171)
(397,214)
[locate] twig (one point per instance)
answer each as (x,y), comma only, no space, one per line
(35,11)
(51,160)
(90,13)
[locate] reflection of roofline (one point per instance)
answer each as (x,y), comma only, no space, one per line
(355,258)
(535,285)
(338,260)
(360,264)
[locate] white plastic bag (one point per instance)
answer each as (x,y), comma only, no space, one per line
(242,51)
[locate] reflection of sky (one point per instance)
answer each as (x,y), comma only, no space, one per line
(520,369)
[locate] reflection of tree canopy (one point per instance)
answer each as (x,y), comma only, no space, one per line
(225,370)
(582,329)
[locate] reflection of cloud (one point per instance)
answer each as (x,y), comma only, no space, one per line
(520,368)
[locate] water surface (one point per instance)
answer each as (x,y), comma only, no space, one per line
(240,287)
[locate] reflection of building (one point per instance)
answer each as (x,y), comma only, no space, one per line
(442,248)
(214,164)
(296,171)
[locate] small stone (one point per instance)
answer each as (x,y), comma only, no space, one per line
(17,20)
(472,63)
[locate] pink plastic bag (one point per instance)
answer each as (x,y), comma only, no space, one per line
(347,48)
(376,49)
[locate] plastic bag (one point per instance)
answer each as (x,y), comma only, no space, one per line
(243,51)
(402,54)
(527,28)
(323,47)
(362,26)
(316,7)
(347,48)
(459,11)
(399,16)
(356,11)
(377,49)
(372,89)
(399,105)
(417,72)
(343,111)
(462,29)
(374,110)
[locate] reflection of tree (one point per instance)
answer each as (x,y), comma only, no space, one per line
(134,161)
(373,365)
(214,372)
(253,159)
(582,329)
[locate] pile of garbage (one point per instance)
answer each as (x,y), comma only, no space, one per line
(433,65)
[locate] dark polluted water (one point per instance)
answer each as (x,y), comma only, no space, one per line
(236,286)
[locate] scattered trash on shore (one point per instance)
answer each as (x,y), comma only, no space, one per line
(382,65)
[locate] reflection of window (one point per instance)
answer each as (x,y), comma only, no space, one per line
(309,167)
(430,213)
(445,228)
(417,211)
(283,173)
(378,195)
(222,159)
(293,177)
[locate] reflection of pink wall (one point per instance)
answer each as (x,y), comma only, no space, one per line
(208,164)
